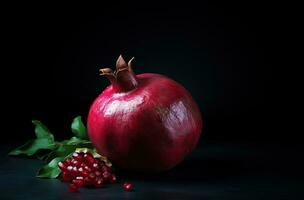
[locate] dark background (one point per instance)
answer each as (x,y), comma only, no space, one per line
(236,59)
(228,55)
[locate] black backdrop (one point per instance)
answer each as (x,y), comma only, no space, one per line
(223,53)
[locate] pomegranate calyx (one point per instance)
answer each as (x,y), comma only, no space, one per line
(121,63)
(123,78)
(107,72)
(130,64)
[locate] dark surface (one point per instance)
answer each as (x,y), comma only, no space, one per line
(213,171)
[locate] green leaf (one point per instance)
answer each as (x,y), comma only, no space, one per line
(34,146)
(43,154)
(45,141)
(51,170)
(42,131)
(75,141)
(78,128)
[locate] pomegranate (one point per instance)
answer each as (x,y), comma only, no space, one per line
(144,122)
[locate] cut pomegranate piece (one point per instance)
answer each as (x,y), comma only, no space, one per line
(85,170)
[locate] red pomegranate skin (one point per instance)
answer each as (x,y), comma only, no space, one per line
(150,128)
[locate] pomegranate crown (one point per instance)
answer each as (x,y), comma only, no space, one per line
(123,78)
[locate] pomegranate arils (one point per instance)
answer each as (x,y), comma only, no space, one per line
(70,168)
(92,175)
(73,188)
(88,181)
(68,161)
(85,170)
(66,176)
(89,159)
(106,175)
(62,166)
(80,169)
(78,156)
(76,163)
(75,169)
(113,178)
(127,186)
(84,173)
(75,154)
(98,182)
(105,168)
(78,182)
(79,178)
(97,173)
(95,165)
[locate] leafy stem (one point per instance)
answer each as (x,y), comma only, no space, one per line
(45,147)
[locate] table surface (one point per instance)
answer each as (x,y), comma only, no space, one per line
(213,171)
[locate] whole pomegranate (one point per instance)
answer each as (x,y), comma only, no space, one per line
(144,122)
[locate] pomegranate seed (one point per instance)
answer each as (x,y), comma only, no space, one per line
(75,169)
(80,169)
(68,161)
(127,186)
(76,163)
(78,182)
(75,154)
(84,174)
(92,175)
(87,181)
(106,168)
(78,156)
(62,166)
(98,182)
(87,168)
(106,175)
(66,176)
(97,173)
(73,188)
(89,159)
(70,168)
(95,165)
(79,178)
(113,179)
